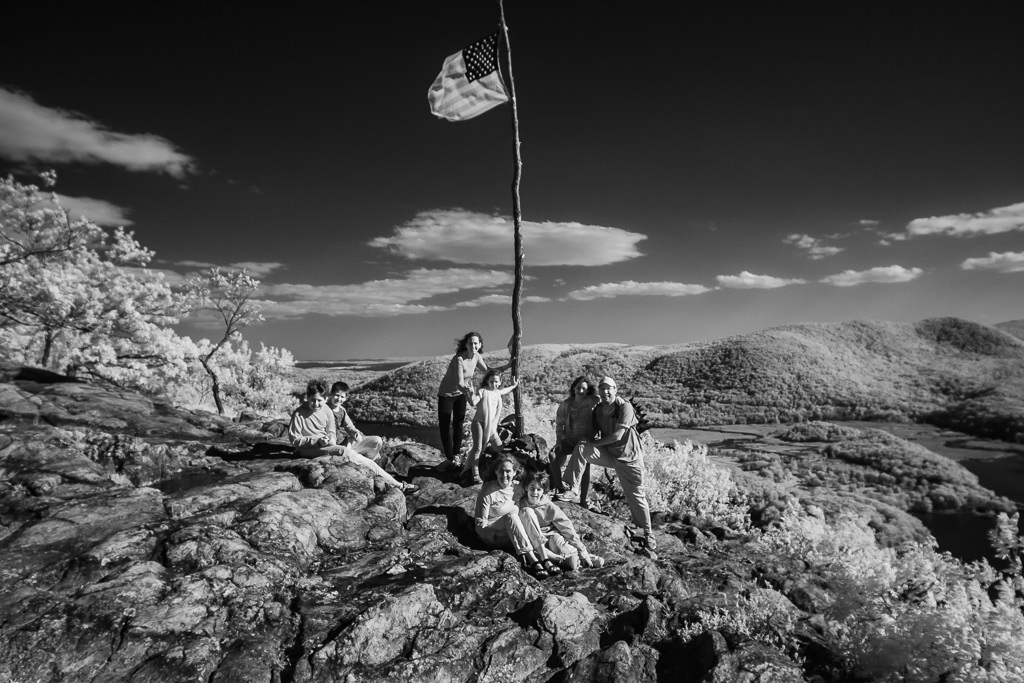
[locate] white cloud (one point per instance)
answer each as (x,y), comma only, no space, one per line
(503,299)
(868,222)
(171,277)
(98,211)
(994,221)
(258,269)
(882,274)
(469,237)
(196,264)
(377,298)
(814,247)
(611,290)
(31,132)
(747,280)
(1002,262)
(887,238)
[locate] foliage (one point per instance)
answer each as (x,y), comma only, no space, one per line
(33,227)
(682,479)
(943,370)
(538,417)
(763,615)
(905,614)
(79,299)
(966,336)
(876,465)
(228,296)
(1009,546)
(817,430)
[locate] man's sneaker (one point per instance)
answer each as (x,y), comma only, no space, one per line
(567,497)
(650,543)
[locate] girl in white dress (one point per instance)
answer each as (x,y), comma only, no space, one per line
(485,423)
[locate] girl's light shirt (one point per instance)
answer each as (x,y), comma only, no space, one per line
(494,502)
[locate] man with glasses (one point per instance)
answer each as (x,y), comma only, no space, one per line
(619,448)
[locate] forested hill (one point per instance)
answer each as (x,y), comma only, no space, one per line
(942,370)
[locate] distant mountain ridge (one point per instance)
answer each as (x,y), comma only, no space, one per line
(946,371)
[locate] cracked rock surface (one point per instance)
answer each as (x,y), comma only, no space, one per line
(141,542)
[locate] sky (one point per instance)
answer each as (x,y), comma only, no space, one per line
(689,171)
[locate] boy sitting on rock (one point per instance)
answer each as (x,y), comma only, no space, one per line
(313,433)
(347,432)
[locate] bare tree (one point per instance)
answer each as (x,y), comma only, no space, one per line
(228,295)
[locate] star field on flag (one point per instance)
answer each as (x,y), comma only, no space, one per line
(469,83)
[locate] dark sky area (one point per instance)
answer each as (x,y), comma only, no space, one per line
(689,172)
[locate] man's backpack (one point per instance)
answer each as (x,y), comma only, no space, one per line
(642,425)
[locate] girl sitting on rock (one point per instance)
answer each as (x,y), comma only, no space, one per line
(485,423)
(498,524)
(558,535)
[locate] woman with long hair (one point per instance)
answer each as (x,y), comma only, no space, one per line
(574,422)
(455,390)
(498,523)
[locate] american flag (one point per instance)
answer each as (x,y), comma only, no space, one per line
(469,83)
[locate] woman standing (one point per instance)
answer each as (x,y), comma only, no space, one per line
(574,422)
(455,390)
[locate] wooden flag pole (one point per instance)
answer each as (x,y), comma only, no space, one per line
(517,218)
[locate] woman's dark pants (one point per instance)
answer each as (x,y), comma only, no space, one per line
(451,414)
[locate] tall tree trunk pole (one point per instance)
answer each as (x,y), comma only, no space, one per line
(517,218)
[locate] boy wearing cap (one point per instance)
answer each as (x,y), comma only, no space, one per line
(619,448)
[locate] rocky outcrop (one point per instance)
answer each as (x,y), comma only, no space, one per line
(141,542)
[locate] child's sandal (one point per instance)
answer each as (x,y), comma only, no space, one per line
(551,568)
(538,571)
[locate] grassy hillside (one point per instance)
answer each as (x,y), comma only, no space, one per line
(942,370)
(1014,327)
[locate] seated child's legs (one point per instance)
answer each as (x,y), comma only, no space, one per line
(560,548)
(517,533)
(317,451)
(506,533)
(361,460)
(370,446)
(531,526)
(495,536)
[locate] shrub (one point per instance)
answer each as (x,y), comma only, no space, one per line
(907,614)
(763,615)
(681,478)
(817,431)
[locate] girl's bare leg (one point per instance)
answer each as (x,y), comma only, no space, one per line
(472,467)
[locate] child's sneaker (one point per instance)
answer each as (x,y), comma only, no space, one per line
(566,497)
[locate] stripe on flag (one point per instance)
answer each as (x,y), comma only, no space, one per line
(469,83)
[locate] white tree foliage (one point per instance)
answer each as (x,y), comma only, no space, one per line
(228,296)
(77,298)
